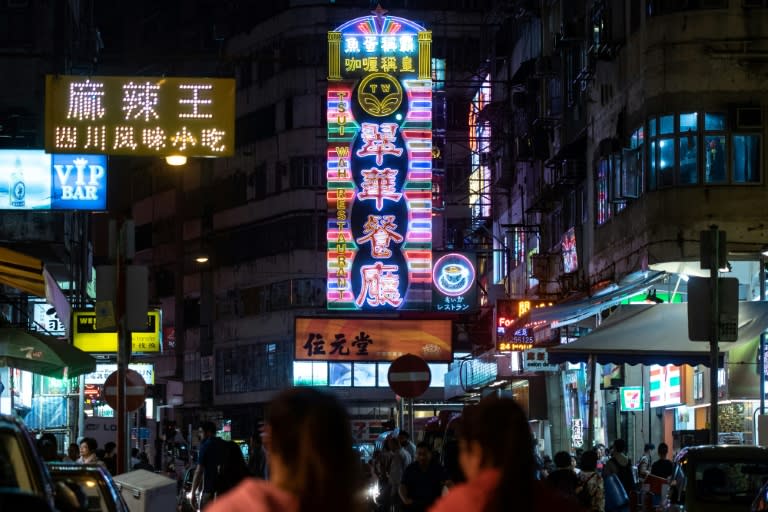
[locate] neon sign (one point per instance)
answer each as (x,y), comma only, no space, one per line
(453,281)
(379,165)
(140,116)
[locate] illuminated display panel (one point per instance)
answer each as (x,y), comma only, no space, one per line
(664,385)
(87,337)
(512,330)
(480,144)
(140,115)
(379,165)
(358,339)
(31,179)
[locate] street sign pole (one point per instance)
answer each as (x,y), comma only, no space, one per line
(714,326)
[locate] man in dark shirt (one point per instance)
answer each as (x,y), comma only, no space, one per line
(422,481)
(663,467)
(208,461)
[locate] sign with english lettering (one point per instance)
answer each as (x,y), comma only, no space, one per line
(31,179)
(79,182)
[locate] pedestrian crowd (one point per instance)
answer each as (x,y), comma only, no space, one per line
(303,458)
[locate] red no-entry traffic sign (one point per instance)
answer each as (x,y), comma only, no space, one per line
(409,376)
(135,390)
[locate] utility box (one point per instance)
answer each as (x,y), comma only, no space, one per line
(145,491)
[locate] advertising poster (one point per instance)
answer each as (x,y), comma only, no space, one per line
(31,179)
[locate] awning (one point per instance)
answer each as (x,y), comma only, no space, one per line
(571,312)
(28,274)
(655,334)
(46,355)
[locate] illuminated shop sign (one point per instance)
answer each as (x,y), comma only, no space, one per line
(453,283)
(664,385)
(357,339)
(631,398)
(379,165)
(104,370)
(87,336)
(512,331)
(31,179)
(139,115)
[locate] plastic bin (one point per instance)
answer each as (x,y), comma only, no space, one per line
(145,491)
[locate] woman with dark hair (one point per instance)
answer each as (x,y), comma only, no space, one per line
(496,457)
(312,463)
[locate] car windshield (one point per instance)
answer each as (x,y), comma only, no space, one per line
(729,482)
(14,471)
(94,488)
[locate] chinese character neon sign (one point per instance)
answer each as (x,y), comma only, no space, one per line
(379,165)
(140,116)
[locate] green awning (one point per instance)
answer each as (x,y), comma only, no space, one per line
(42,354)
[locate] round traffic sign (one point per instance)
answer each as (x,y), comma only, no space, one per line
(409,376)
(135,390)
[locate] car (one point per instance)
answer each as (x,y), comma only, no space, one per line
(25,483)
(99,492)
(717,478)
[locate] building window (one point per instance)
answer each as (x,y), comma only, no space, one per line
(715,148)
(601,192)
(688,147)
(746,158)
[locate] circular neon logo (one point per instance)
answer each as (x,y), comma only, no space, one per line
(380,94)
(453,274)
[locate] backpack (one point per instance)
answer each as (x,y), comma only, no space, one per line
(583,495)
(625,474)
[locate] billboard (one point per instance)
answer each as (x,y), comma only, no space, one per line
(140,115)
(87,337)
(367,339)
(31,179)
(379,165)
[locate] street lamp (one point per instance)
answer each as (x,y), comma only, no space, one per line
(176,160)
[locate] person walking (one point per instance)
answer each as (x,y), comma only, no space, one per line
(73,453)
(591,490)
(404,438)
(110,457)
(423,481)
(88,446)
(257,457)
(644,464)
(620,465)
(209,459)
(563,478)
(663,467)
(495,454)
(312,463)
(398,461)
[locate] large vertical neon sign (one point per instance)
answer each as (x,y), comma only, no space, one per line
(379,164)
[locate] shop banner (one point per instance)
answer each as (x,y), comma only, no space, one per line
(355,339)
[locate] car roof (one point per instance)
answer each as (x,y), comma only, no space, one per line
(74,467)
(722,451)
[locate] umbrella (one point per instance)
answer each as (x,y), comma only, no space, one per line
(43,354)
